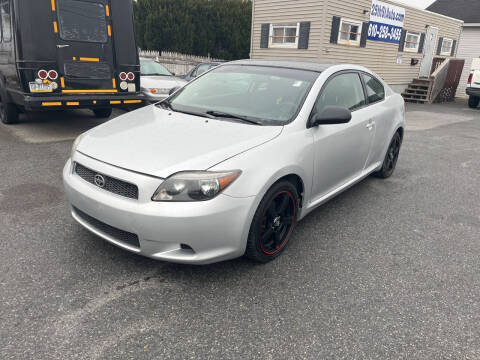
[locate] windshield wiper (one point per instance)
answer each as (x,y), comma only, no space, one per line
(166,105)
(220,114)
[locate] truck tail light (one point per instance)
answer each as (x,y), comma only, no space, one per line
(122,76)
(42,74)
(53,75)
(131,76)
(470,78)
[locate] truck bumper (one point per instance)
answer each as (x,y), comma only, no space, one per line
(82,101)
(473,91)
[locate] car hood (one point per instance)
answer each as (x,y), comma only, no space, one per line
(159,142)
(162,82)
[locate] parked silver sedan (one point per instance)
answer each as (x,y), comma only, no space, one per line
(156,81)
(228,164)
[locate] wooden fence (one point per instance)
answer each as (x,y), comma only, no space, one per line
(176,63)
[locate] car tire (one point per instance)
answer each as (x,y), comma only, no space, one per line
(473,101)
(273,223)
(391,157)
(102,113)
(8,112)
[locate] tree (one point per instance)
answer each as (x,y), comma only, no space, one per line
(220,28)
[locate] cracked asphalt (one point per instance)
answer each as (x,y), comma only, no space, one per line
(390,269)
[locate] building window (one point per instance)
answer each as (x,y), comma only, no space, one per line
(412,42)
(284,35)
(350,32)
(447,46)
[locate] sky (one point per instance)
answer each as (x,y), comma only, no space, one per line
(422,4)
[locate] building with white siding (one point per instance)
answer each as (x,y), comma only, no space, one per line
(400,48)
(469,47)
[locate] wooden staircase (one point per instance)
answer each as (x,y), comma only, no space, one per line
(418,91)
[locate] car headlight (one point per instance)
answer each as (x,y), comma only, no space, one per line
(75,144)
(194,185)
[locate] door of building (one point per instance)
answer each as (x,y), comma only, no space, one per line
(428,51)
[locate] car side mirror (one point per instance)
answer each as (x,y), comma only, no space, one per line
(172,90)
(331,115)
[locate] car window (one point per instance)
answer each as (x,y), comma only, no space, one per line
(150,67)
(375,89)
(343,90)
(201,69)
(271,95)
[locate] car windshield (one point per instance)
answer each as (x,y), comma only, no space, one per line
(150,67)
(268,95)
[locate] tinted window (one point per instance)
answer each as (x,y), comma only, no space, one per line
(82,21)
(375,89)
(271,95)
(343,90)
(6,29)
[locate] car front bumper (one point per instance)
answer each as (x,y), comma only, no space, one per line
(473,91)
(215,230)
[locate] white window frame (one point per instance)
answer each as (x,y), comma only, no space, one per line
(414,50)
(294,45)
(449,52)
(359,34)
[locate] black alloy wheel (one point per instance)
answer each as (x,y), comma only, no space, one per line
(391,157)
(273,223)
(8,112)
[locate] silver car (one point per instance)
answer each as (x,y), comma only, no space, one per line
(156,81)
(228,164)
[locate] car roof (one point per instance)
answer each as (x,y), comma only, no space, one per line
(317,66)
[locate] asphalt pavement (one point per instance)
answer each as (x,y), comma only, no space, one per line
(390,269)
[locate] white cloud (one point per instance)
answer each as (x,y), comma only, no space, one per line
(422,4)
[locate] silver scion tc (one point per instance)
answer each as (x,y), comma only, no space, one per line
(228,164)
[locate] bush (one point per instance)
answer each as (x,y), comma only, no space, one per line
(220,28)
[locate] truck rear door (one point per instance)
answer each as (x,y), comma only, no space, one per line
(85,55)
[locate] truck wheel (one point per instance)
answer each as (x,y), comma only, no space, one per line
(8,112)
(473,101)
(102,112)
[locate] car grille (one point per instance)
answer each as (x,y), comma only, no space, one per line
(117,234)
(113,185)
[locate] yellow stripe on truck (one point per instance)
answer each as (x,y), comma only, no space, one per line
(73,103)
(90,91)
(52,103)
(53,5)
(115,102)
(107,10)
(89,59)
(55,27)
(132,101)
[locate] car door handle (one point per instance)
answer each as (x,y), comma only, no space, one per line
(370,125)
(62,46)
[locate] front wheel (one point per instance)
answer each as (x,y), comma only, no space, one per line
(102,112)
(473,101)
(273,223)
(391,158)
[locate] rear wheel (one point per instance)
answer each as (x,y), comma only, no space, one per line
(102,112)
(273,223)
(391,158)
(473,101)
(8,112)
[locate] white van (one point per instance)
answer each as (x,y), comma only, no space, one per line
(473,86)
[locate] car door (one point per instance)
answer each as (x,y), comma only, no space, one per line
(382,115)
(341,150)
